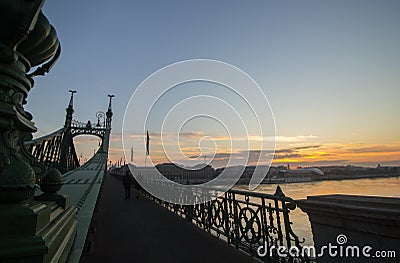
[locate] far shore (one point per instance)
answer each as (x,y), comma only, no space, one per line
(328,178)
(353,176)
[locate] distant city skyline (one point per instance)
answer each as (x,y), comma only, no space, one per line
(330,70)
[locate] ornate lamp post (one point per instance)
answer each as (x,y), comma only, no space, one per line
(29,231)
(27,40)
(100,117)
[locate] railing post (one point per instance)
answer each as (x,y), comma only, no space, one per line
(226,218)
(236,222)
(278,193)
(264,224)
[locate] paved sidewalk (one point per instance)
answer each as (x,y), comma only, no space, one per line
(139,230)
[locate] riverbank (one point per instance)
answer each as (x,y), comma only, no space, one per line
(350,177)
(290,180)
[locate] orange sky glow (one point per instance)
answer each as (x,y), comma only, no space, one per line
(296,151)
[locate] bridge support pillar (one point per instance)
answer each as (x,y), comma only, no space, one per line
(42,230)
(350,228)
(39,232)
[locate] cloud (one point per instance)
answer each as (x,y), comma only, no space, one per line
(288,156)
(307,147)
(316,163)
(188,135)
(374,149)
(298,149)
(299,138)
(222,156)
(199,135)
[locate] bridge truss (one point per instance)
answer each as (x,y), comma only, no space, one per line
(57,150)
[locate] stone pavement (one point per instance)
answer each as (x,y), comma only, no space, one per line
(139,230)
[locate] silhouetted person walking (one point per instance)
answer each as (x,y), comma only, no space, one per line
(127,182)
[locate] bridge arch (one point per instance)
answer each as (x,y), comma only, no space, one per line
(80,128)
(58,150)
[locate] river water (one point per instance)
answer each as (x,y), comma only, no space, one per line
(379,186)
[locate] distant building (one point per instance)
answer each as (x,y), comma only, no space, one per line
(301,172)
(173,171)
(143,171)
(246,172)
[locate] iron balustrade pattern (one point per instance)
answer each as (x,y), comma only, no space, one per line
(81,124)
(81,128)
(54,150)
(246,220)
(57,148)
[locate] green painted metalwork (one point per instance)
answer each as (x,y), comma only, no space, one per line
(32,229)
(39,228)
(28,40)
(57,149)
(83,185)
(246,220)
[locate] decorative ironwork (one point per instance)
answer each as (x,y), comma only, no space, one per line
(48,151)
(57,150)
(27,39)
(100,115)
(82,128)
(246,220)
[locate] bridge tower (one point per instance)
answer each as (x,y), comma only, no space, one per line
(68,157)
(57,150)
(109,113)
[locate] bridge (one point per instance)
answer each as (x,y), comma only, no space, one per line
(72,204)
(80,184)
(49,224)
(58,222)
(79,214)
(240,223)
(56,150)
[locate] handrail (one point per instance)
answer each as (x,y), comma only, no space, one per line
(45,137)
(80,124)
(247,220)
(278,195)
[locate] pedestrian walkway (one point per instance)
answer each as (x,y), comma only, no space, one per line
(139,230)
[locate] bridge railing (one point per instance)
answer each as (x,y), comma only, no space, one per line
(45,150)
(89,125)
(256,223)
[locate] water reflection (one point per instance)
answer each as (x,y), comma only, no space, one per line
(379,186)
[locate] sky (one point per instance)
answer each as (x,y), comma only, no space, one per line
(329,69)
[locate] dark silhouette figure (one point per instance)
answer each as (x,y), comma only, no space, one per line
(127,182)
(88,124)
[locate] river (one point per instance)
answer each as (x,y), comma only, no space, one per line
(378,186)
